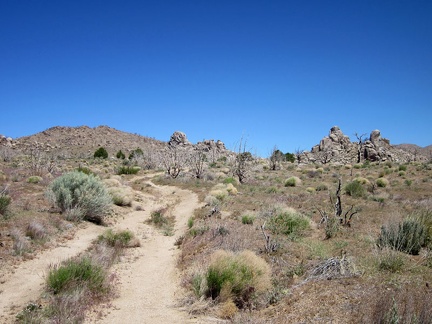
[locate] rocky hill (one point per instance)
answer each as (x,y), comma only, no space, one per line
(338,148)
(82,141)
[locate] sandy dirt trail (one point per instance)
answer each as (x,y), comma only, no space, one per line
(25,284)
(149,282)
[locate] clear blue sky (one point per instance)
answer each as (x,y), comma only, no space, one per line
(273,72)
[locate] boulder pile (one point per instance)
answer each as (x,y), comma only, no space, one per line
(338,148)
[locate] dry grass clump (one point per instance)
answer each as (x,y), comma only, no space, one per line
(122,239)
(227,310)
(222,190)
(362,180)
(20,242)
(122,196)
(237,277)
(293,182)
(36,231)
(382,182)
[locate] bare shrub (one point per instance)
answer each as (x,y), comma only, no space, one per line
(174,160)
(334,268)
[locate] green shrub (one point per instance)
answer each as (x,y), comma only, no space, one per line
(85,170)
(292,182)
(382,182)
(5,201)
(196,231)
(190,222)
(124,169)
(230,180)
(322,187)
(290,157)
(271,190)
(355,189)
(116,239)
(408,236)
(402,167)
(136,153)
(248,219)
(80,196)
(390,261)
(158,219)
(120,155)
(74,274)
(408,182)
(288,223)
(34,179)
(236,276)
(101,153)
(366,164)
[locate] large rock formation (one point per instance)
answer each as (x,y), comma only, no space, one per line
(338,148)
(178,138)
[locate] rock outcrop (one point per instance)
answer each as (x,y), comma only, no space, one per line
(6,141)
(178,138)
(338,148)
(210,145)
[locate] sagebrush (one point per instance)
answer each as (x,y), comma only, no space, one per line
(80,196)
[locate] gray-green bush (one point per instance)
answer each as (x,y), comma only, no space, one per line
(80,196)
(407,236)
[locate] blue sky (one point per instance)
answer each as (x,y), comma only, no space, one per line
(272,72)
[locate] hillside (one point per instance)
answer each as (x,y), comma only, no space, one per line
(82,141)
(413,148)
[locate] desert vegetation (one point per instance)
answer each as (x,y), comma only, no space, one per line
(283,239)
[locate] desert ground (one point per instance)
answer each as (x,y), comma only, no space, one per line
(213,238)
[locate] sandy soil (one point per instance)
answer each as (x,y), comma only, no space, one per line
(148,283)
